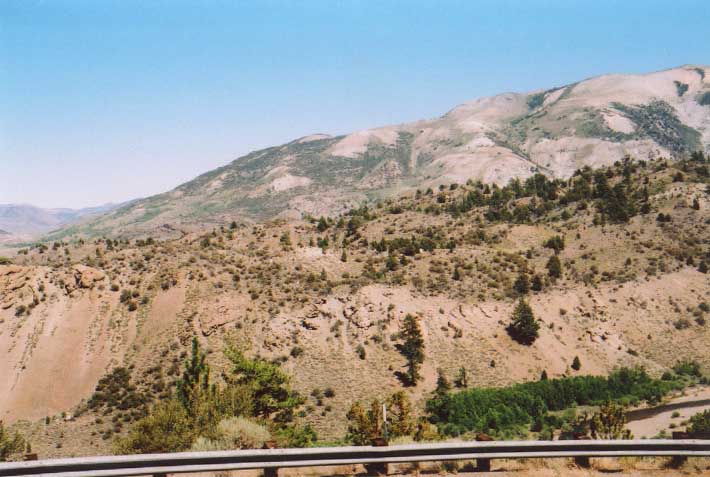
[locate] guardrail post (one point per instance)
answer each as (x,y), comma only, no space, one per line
(483,465)
(270,471)
(383,468)
(582,461)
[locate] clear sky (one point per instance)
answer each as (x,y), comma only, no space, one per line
(109,100)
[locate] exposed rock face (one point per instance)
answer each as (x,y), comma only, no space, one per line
(594,122)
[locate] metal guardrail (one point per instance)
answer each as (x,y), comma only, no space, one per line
(160,464)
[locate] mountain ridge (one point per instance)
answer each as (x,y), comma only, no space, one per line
(22,221)
(592,122)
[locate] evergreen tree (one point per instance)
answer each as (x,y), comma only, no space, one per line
(364,425)
(523,327)
(361,429)
(412,348)
(442,384)
(270,389)
(556,243)
(522,284)
(616,205)
(576,363)
(536,284)
(554,267)
(543,375)
(195,377)
(399,415)
(601,185)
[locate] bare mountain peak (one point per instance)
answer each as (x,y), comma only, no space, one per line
(593,122)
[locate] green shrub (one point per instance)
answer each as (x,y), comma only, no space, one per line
(166,429)
(700,422)
(255,388)
(10,443)
(687,368)
(514,408)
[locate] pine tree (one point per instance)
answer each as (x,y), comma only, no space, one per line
(536,284)
(543,375)
(576,363)
(360,430)
(522,284)
(554,267)
(399,415)
(556,243)
(412,348)
(364,425)
(271,394)
(195,377)
(523,327)
(442,384)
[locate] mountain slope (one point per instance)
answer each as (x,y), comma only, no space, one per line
(22,221)
(593,122)
(326,299)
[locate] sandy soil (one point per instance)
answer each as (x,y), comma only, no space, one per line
(653,425)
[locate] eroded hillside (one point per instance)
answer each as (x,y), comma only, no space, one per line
(613,262)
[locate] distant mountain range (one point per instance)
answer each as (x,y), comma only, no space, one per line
(23,221)
(556,131)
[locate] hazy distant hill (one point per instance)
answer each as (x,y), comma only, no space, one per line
(555,131)
(22,221)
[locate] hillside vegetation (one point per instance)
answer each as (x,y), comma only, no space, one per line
(611,265)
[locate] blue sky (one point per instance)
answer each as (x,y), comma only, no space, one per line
(112,100)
